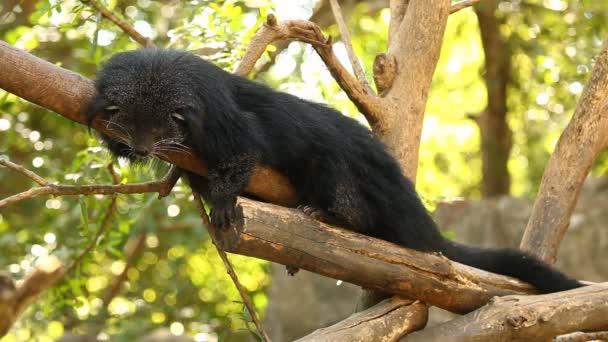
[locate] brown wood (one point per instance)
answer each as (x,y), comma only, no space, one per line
(388,321)
(289,237)
(526,318)
(578,147)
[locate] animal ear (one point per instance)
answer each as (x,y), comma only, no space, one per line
(97,104)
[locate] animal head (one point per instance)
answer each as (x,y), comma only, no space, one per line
(144,98)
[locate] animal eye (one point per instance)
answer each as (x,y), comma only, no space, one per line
(111,109)
(178,117)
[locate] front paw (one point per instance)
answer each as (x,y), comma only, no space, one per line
(223,215)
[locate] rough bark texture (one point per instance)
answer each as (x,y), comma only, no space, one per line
(495,133)
(289,237)
(415,36)
(578,147)
(68,94)
(415,43)
(526,318)
(498,221)
(389,320)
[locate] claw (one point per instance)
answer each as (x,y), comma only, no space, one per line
(223,216)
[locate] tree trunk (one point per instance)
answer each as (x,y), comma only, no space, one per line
(495,133)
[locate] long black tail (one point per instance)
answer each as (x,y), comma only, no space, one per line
(512,263)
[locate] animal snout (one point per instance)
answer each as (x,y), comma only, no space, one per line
(141,151)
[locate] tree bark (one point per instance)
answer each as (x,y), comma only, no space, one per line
(495,133)
(578,147)
(389,320)
(415,44)
(526,318)
(289,237)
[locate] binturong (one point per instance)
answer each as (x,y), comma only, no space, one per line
(156,100)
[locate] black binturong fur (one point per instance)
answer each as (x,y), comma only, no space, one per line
(158,100)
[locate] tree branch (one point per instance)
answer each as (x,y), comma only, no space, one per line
(235,279)
(391,319)
(462,5)
(526,318)
(133,251)
(305,31)
(128,29)
(15,299)
(105,223)
(354,61)
(415,45)
(583,337)
(289,237)
(578,147)
(68,94)
(163,187)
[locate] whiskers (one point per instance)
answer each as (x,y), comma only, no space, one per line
(171,145)
(120,133)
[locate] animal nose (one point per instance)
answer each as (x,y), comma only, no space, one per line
(141,151)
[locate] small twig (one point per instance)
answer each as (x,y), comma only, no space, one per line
(229,269)
(163,186)
(132,255)
(22,170)
(461,5)
(128,29)
(105,223)
(354,61)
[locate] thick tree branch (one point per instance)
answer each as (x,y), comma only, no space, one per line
(289,237)
(415,45)
(68,94)
(391,319)
(526,318)
(578,147)
(415,37)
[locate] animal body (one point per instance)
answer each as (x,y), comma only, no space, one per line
(158,100)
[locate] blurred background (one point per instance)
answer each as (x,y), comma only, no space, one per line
(507,82)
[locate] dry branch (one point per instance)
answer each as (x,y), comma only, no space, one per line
(391,319)
(526,318)
(354,61)
(305,31)
(68,94)
(163,187)
(229,269)
(15,299)
(133,249)
(578,147)
(289,237)
(128,29)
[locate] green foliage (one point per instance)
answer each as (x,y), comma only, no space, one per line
(177,280)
